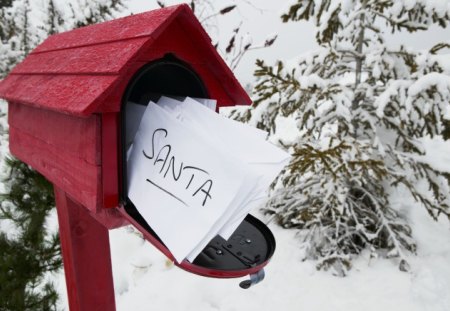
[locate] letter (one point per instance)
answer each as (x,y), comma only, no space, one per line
(192,177)
(158,159)
(195,169)
(207,195)
(172,164)
(153,143)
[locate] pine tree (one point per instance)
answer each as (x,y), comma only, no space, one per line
(361,110)
(28,251)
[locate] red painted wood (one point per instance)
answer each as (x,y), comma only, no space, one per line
(78,137)
(82,93)
(107,58)
(215,62)
(86,257)
(110,164)
(190,48)
(71,94)
(113,102)
(110,218)
(139,25)
(73,175)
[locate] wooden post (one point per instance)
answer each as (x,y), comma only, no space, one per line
(86,257)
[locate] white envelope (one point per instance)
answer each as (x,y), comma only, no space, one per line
(240,140)
(175,106)
(246,193)
(180,183)
(207,102)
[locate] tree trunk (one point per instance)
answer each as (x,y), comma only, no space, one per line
(359,61)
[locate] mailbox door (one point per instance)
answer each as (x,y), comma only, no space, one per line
(247,251)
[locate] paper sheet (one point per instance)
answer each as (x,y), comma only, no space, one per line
(245,142)
(180,184)
(193,174)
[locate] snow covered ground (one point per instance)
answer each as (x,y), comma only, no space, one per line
(145,280)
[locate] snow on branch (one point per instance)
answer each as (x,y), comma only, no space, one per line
(362,111)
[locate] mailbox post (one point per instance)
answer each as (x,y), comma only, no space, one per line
(67,106)
(86,256)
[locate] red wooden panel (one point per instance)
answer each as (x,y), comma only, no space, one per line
(110,163)
(113,102)
(218,68)
(193,46)
(144,24)
(110,218)
(86,256)
(76,177)
(73,94)
(85,94)
(215,64)
(78,137)
(103,58)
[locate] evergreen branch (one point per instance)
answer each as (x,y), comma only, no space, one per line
(354,54)
(440,46)
(384,223)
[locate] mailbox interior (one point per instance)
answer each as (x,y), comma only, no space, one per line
(252,245)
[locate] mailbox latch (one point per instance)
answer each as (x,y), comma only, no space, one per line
(254,279)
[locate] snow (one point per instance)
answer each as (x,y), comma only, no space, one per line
(326,16)
(392,90)
(5,226)
(288,126)
(440,81)
(145,280)
(440,7)
(443,60)
(437,155)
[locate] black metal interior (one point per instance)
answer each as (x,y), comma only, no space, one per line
(252,243)
(167,76)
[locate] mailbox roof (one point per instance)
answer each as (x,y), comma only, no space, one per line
(75,71)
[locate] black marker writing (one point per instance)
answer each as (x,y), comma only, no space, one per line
(207,184)
(153,140)
(169,193)
(168,163)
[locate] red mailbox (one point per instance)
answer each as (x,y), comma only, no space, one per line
(67,107)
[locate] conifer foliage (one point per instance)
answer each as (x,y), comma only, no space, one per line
(27,251)
(361,110)
(25,23)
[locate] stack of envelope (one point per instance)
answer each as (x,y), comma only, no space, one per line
(194,174)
